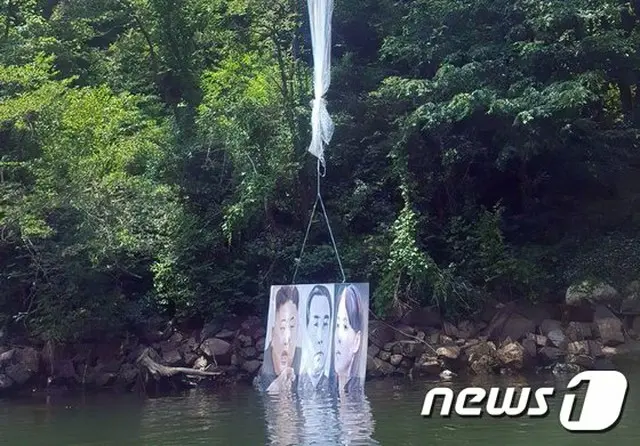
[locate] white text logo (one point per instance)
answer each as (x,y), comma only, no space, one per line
(601,410)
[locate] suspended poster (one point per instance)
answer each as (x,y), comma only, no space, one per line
(316,338)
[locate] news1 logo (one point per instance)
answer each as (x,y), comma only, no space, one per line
(602,407)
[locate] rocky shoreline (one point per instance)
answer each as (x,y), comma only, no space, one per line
(579,334)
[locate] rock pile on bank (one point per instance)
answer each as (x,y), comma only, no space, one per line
(594,324)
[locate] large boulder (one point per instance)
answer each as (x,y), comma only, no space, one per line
(548,325)
(509,324)
(608,326)
(591,292)
(380,334)
(630,304)
(217,349)
(579,331)
(24,365)
(5,382)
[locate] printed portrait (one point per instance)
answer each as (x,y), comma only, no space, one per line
(350,336)
(317,329)
(282,353)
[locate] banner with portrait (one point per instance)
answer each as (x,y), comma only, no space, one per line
(316,338)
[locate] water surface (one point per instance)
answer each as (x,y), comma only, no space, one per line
(389,415)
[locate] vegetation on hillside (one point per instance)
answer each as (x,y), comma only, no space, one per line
(153,154)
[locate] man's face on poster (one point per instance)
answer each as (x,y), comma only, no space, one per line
(318,329)
(284,335)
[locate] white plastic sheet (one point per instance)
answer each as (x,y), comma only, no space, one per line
(322,127)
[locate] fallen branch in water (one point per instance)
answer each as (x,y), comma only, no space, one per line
(163,371)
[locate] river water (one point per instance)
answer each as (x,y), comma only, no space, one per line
(238,415)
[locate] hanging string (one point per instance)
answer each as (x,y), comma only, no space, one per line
(326,218)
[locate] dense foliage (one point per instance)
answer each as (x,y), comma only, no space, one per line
(153,154)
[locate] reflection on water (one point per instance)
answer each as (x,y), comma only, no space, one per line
(318,420)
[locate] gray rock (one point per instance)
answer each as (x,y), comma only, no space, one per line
(189,358)
(404,332)
(395,360)
(377,367)
(245,340)
(467,329)
(539,340)
(5,382)
(19,373)
(549,354)
(451,330)
(512,356)
(530,350)
(215,347)
(579,331)
(482,358)
(426,365)
(104,379)
(609,327)
(407,363)
(248,353)
(384,355)
(252,366)
(6,357)
(380,333)
(171,357)
(548,325)
(448,352)
(209,330)
(446,340)
(584,361)
(508,324)
(260,344)
(484,365)
(64,370)
(558,339)
(563,369)
(226,334)
(388,346)
(201,363)
(411,349)
(373,350)
(127,375)
(591,292)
